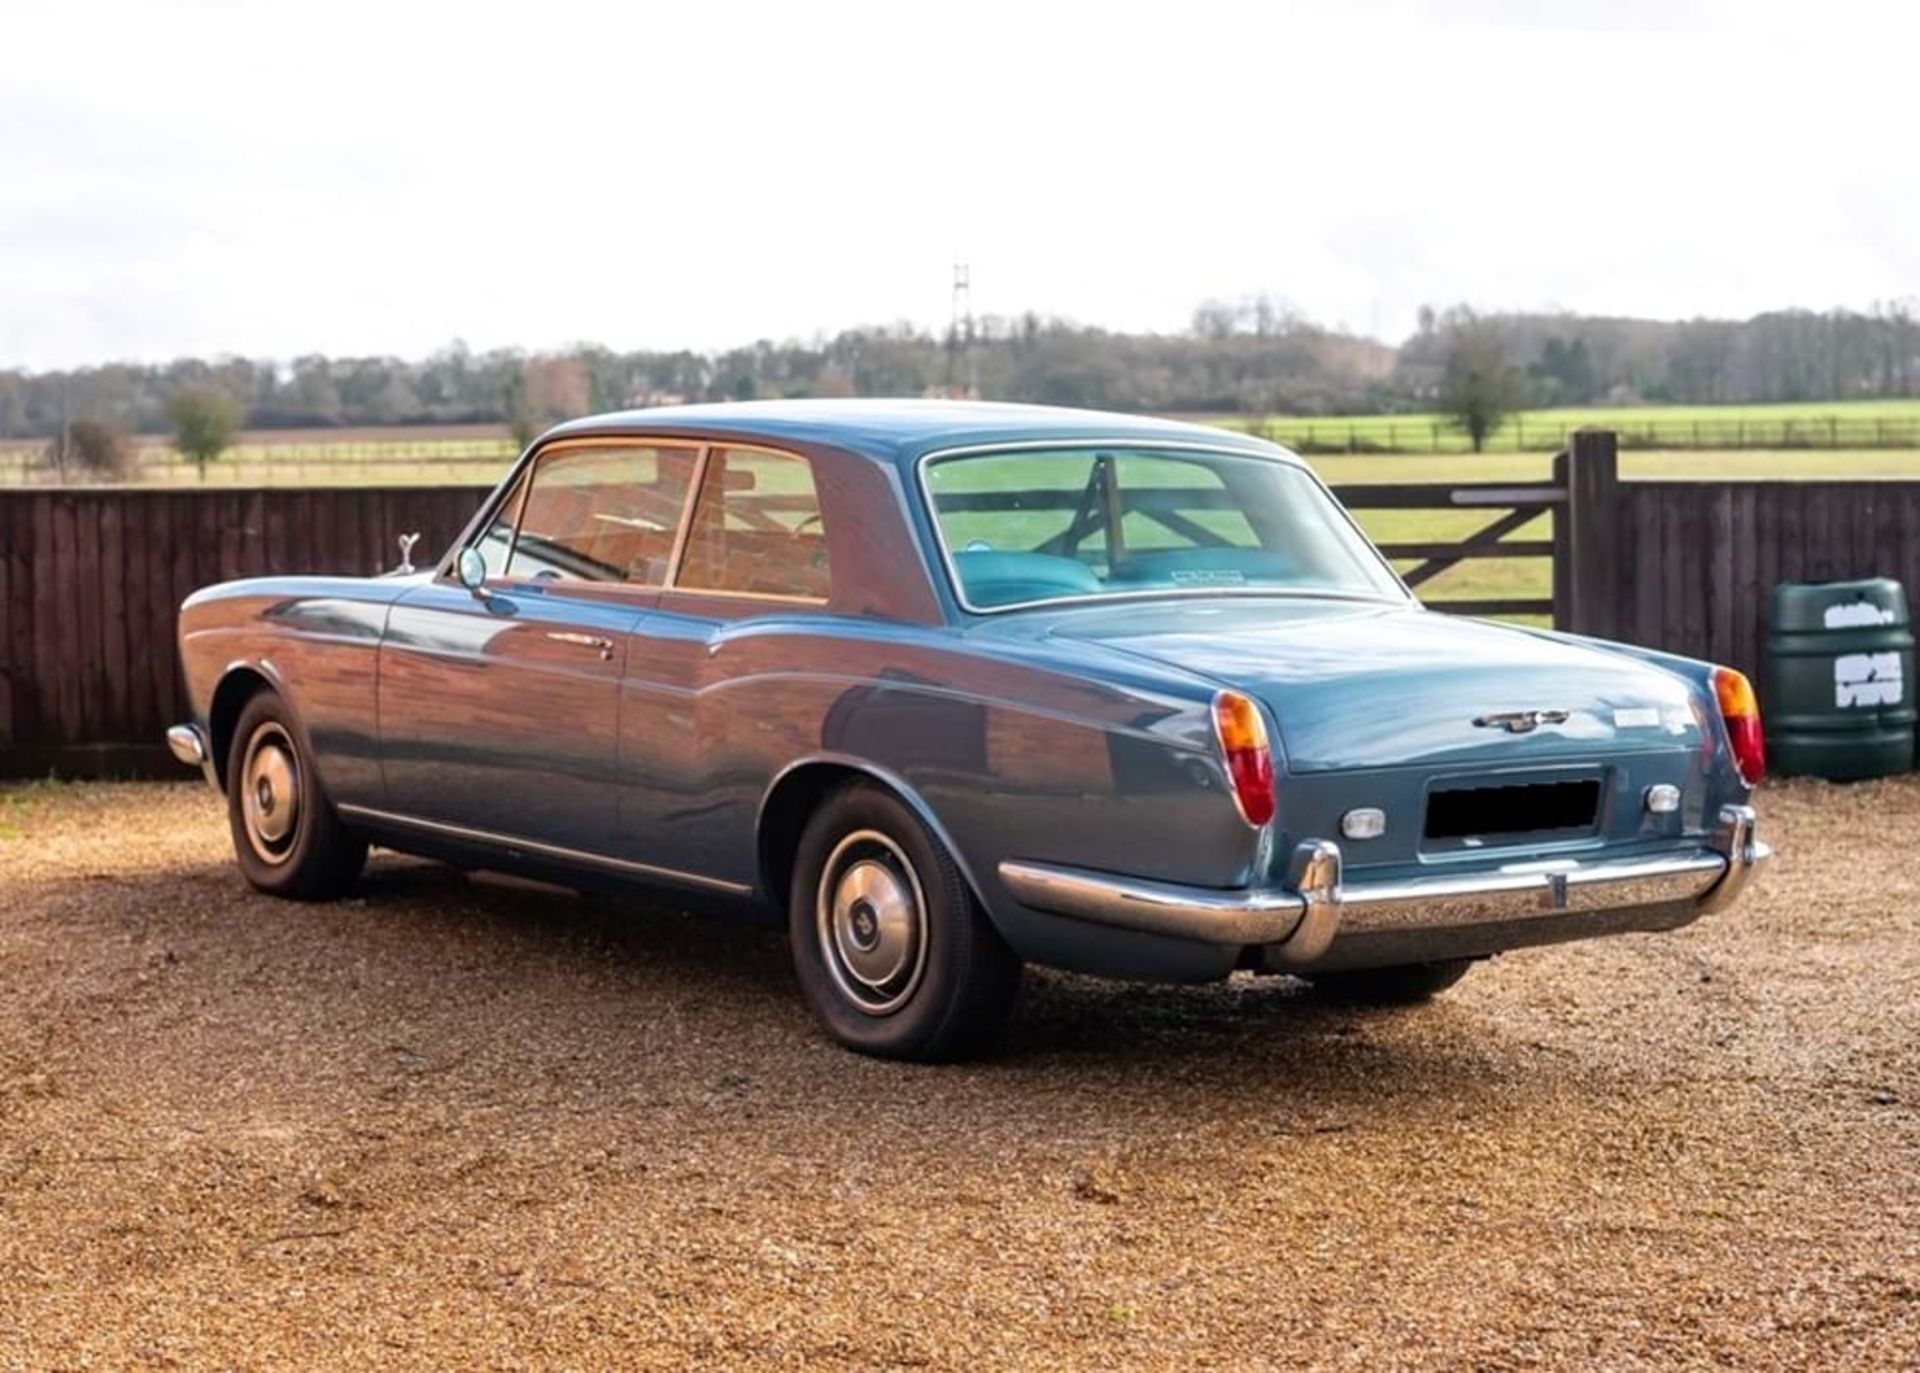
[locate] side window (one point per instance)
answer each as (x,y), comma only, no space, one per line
(756,528)
(602,514)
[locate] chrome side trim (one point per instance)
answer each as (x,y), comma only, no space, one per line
(1316,911)
(513,844)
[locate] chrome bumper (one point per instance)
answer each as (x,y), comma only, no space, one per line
(189,745)
(1318,921)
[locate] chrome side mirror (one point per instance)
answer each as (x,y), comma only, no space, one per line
(472,570)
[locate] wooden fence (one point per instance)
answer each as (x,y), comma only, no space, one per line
(1691,564)
(91,579)
(91,582)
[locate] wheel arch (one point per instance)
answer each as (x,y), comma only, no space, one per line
(240,683)
(797,791)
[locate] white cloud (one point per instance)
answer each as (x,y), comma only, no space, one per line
(272,180)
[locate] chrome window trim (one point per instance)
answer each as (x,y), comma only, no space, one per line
(685,527)
(1285,459)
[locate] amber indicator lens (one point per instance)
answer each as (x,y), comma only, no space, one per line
(1249,759)
(1741,712)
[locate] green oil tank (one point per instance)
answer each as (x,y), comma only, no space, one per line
(1837,680)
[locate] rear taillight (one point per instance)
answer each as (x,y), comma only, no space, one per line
(1249,758)
(1742,715)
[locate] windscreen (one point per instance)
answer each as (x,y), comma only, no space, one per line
(1030,526)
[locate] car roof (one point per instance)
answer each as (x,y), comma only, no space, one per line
(903,430)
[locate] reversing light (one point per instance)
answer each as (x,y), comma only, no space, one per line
(1741,712)
(1249,758)
(1364,822)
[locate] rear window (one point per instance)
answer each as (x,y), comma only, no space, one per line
(757,529)
(1038,525)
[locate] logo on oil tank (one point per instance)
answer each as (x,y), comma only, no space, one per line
(1867,679)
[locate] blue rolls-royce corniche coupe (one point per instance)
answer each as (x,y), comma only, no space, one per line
(955,687)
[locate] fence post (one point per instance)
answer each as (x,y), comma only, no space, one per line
(1586,569)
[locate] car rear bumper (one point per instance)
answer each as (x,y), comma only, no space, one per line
(1319,922)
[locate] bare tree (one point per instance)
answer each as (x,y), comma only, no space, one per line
(101,450)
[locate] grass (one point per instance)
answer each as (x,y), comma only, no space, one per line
(1822,424)
(18,802)
(1851,438)
(1710,464)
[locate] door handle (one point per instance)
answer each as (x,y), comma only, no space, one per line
(593,641)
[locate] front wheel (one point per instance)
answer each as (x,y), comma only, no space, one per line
(1404,985)
(285,833)
(895,956)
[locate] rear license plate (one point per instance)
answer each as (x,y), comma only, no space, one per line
(1473,816)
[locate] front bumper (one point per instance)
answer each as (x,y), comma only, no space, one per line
(1318,922)
(188,743)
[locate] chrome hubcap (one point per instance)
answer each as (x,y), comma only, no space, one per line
(872,922)
(270,793)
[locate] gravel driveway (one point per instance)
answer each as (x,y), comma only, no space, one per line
(454,1123)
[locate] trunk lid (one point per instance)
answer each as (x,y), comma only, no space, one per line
(1367,686)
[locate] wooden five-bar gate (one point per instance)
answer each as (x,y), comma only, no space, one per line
(91,578)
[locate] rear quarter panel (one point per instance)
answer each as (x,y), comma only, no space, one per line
(1012,752)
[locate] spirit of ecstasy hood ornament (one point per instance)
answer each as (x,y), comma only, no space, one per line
(407,541)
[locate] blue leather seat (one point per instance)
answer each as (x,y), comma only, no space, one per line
(994,578)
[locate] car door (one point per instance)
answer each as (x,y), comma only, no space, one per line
(499,712)
(753,558)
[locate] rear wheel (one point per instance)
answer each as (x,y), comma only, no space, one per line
(286,835)
(895,956)
(1407,984)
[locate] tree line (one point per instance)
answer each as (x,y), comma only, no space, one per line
(1249,357)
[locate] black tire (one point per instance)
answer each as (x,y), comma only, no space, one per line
(932,981)
(286,835)
(1405,985)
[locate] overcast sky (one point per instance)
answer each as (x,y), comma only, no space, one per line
(274,179)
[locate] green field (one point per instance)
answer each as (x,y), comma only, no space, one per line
(1857,438)
(1826,424)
